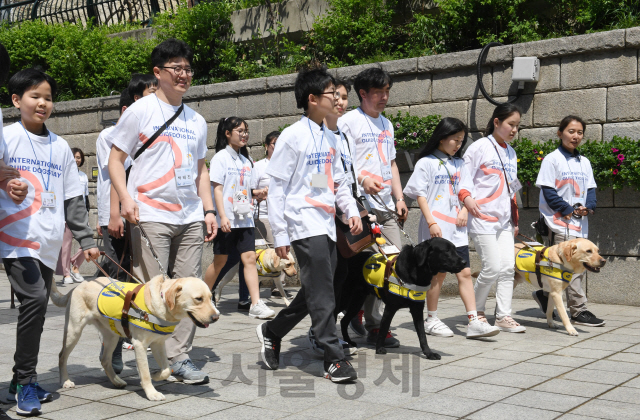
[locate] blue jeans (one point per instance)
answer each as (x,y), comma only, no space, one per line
(232,259)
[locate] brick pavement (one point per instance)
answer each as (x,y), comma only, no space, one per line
(542,374)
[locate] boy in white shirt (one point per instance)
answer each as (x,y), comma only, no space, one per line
(32,232)
(168,187)
(377,172)
(307,182)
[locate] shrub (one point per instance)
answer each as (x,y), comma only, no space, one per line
(615,164)
(412,132)
(86,63)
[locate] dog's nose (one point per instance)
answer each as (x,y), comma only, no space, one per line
(602,262)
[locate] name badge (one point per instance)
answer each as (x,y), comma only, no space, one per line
(319,181)
(515,185)
(350,177)
(453,201)
(48,199)
(386,172)
(184,177)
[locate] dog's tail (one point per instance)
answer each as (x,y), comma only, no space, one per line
(58,298)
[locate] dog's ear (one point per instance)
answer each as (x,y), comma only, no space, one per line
(276,260)
(569,250)
(421,253)
(172,294)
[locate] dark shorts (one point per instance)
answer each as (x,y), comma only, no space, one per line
(242,239)
(463,252)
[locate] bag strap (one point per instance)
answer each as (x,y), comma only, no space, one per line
(153,138)
(506,180)
(354,188)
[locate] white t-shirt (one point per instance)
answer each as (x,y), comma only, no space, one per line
(29,229)
(152,180)
(347,147)
(260,180)
(374,148)
(103,150)
(489,189)
(571,177)
(305,149)
(84,183)
(431,180)
(234,172)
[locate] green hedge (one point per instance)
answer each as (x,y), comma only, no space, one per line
(87,63)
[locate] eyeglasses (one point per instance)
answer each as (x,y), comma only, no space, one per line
(177,70)
(335,93)
(242,132)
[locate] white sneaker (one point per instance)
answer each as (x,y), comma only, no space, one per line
(77,277)
(477,329)
(508,324)
(67,280)
(437,328)
(261,311)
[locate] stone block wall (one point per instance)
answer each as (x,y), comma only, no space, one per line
(594,76)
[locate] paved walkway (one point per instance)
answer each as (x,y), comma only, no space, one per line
(542,374)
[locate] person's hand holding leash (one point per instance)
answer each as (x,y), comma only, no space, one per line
(355,225)
(283,251)
(91,254)
(370,186)
(211,225)
(130,211)
(402,211)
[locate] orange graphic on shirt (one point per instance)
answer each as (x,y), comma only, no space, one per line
(493,196)
(328,172)
(22,214)
(142,189)
(381,137)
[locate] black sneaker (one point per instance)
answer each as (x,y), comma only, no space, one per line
(275,293)
(588,319)
(542,300)
(340,371)
(270,351)
(244,306)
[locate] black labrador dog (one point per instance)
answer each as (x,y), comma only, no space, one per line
(415,265)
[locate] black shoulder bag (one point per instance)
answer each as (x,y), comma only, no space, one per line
(348,244)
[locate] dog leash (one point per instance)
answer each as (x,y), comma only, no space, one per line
(119,267)
(394,216)
(153,252)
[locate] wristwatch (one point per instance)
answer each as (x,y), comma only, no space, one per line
(210,211)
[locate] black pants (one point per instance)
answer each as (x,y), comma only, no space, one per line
(115,248)
(317,259)
(31,281)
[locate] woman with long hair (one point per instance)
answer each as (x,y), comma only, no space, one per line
(231,180)
(435,183)
(493,212)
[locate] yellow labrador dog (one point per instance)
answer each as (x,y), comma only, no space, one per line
(167,300)
(572,257)
(268,264)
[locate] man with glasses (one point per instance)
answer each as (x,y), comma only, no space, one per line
(168,191)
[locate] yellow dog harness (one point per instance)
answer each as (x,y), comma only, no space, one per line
(262,270)
(374,273)
(111,302)
(526,263)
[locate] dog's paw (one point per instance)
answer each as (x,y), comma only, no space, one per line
(552,325)
(433,356)
(155,396)
(118,382)
(573,332)
(161,376)
(68,384)
(381,350)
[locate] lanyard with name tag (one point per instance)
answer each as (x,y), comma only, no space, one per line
(319,181)
(515,185)
(48,199)
(183,177)
(453,201)
(386,172)
(576,200)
